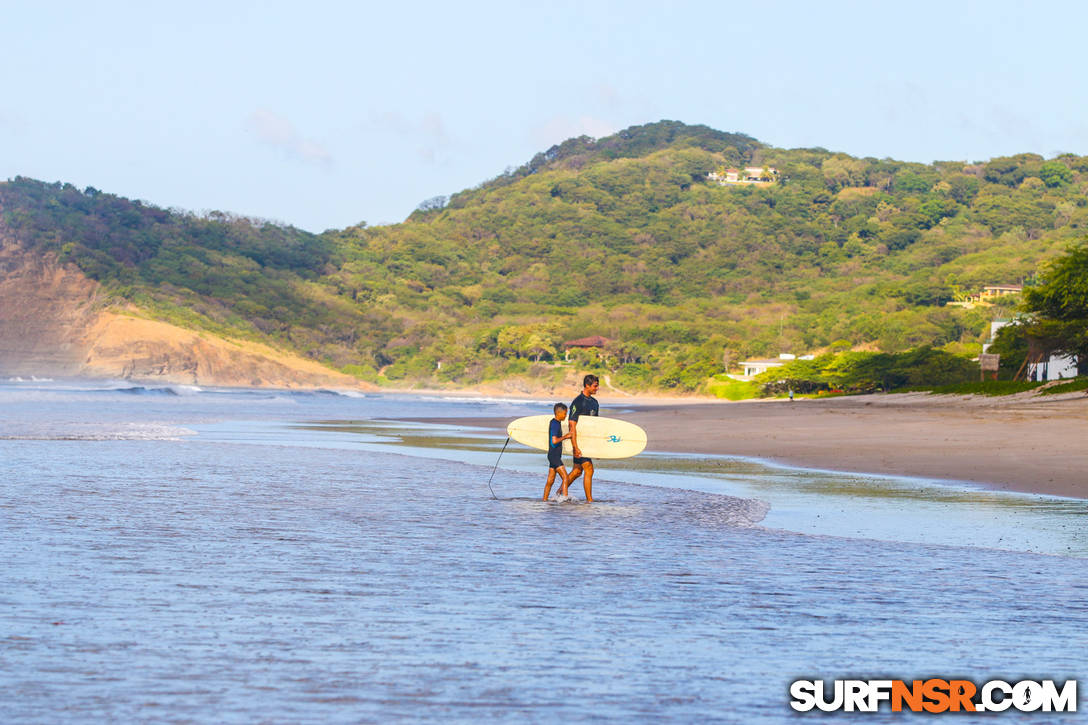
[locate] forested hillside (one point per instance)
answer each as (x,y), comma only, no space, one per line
(623,237)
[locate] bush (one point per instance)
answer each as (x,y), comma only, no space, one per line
(784,385)
(866,372)
(723,387)
(361,372)
(633,375)
(984,387)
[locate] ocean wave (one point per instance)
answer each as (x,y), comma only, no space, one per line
(338,393)
(328,393)
(187,389)
(142,390)
(171,390)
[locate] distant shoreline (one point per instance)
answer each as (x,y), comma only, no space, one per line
(1011,443)
(1023,442)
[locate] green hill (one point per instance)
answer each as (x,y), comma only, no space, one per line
(624,237)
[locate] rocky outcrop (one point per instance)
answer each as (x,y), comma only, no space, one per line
(45,311)
(54,323)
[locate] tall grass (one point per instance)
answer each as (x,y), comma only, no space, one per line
(984,387)
(723,387)
(1072,386)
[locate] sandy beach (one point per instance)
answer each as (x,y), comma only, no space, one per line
(1036,444)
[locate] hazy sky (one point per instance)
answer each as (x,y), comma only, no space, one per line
(326,114)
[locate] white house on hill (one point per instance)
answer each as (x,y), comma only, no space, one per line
(748,175)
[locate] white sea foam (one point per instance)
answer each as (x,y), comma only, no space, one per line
(347,393)
(57,431)
(186,389)
(489,400)
(327,392)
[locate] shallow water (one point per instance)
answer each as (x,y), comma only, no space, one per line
(218,556)
(802,500)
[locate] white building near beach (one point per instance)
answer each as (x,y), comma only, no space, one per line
(1056,367)
(758,366)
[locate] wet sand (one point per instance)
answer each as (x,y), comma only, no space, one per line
(1036,444)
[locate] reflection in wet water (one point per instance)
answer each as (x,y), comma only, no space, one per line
(802,500)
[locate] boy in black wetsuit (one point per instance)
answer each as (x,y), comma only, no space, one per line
(555,452)
(584,404)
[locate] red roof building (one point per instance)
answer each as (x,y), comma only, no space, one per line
(592,341)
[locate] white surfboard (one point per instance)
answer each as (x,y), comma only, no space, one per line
(597,437)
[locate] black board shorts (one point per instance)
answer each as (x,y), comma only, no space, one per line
(580,461)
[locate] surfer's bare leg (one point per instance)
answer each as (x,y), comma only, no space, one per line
(575,472)
(551,479)
(587,482)
(548,485)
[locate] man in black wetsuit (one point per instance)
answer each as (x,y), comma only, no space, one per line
(584,404)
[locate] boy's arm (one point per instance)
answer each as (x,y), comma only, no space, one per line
(560,439)
(557,439)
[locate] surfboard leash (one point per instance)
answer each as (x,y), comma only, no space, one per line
(496,468)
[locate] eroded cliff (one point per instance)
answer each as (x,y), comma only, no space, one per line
(55,322)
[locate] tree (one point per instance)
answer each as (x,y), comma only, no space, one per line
(842,171)
(911,183)
(1007,170)
(1011,343)
(433,204)
(1058,307)
(534,341)
(1055,173)
(934,210)
(963,188)
(953,282)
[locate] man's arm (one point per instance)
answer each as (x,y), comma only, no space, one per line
(574,438)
